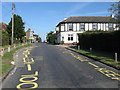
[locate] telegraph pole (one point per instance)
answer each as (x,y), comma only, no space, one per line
(13,6)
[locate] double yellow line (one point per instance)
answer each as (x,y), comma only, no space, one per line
(28,61)
(104,71)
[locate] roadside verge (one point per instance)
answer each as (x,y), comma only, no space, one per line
(8,63)
(104,60)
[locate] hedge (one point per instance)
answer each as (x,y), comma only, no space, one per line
(103,41)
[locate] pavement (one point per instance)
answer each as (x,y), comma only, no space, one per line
(53,66)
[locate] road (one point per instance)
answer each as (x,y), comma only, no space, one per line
(52,66)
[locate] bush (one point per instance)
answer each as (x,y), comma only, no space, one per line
(62,42)
(17,41)
(5,38)
(0,37)
(104,41)
(28,40)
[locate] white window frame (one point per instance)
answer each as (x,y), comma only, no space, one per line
(70,27)
(95,26)
(70,37)
(109,26)
(82,26)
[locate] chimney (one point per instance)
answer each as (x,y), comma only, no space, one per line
(112,15)
(65,18)
(29,29)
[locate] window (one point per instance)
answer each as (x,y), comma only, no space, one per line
(70,27)
(70,37)
(110,26)
(62,27)
(94,26)
(82,26)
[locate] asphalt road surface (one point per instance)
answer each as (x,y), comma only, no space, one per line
(52,66)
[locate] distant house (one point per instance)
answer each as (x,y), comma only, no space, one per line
(3,26)
(35,37)
(29,34)
(68,29)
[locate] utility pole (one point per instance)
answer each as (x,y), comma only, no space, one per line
(13,6)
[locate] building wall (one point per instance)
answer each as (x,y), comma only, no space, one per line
(90,26)
(65,26)
(28,34)
(65,35)
(78,26)
(31,35)
(63,30)
(86,26)
(106,26)
(62,27)
(74,26)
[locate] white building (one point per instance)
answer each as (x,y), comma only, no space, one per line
(68,29)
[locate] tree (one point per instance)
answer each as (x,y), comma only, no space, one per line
(51,37)
(19,31)
(48,36)
(115,9)
(39,39)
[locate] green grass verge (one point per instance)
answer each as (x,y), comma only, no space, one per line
(7,58)
(103,59)
(6,46)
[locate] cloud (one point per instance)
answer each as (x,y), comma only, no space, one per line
(77,8)
(97,13)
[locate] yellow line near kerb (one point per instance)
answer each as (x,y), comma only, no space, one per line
(29,67)
(24,60)
(92,64)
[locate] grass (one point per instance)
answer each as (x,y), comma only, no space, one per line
(6,46)
(103,59)
(5,61)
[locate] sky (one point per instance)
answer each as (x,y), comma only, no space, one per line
(43,17)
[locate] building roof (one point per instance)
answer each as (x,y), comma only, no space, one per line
(35,35)
(89,19)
